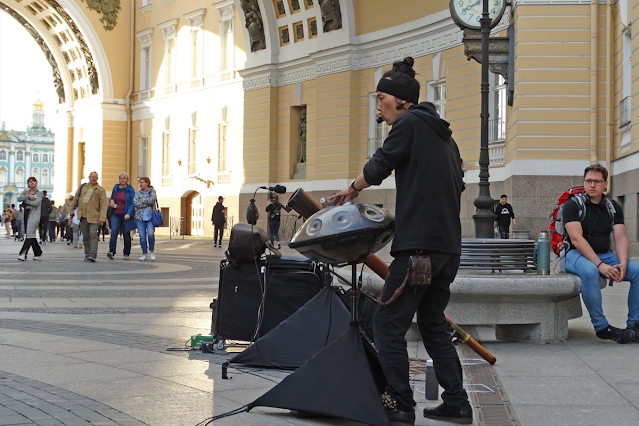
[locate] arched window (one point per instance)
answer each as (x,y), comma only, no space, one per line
(20,175)
(52,177)
(3,155)
(45,178)
(3,176)
(20,156)
(35,157)
(35,172)
(45,158)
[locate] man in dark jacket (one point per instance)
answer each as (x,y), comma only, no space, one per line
(429,182)
(218,219)
(504,213)
(45,210)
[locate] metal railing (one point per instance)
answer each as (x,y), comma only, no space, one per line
(223,178)
(497,129)
(288,226)
(624,111)
(176,227)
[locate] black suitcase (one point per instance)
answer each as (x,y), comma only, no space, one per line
(290,283)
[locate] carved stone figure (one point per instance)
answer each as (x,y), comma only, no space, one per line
(88,57)
(280,8)
(285,37)
(254,26)
(301,148)
(331,15)
(295,4)
(313,28)
(57,77)
(299,30)
(109,10)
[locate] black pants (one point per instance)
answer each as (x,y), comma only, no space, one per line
(30,242)
(43,227)
(504,232)
(392,322)
(218,233)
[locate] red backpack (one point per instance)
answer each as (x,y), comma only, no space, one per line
(556,238)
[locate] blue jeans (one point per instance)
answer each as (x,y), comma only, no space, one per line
(146,230)
(274,230)
(117,223)
(591,292)
(20,230)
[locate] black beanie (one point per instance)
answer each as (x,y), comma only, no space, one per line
(400,81)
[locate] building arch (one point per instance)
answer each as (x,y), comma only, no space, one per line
(192,210)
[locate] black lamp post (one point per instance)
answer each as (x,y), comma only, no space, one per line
(484,217)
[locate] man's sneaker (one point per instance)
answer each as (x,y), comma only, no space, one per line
(86,259)
(37,257)
(110,255)
(462,416)
(143,257)
(91,259)
(152,256)
(125,257)
(401,418)
(616,334)
(635,328)
(22,257)
(214,245)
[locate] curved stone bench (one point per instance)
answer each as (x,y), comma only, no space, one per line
(523,307)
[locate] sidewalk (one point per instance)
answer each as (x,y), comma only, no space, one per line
(85,344)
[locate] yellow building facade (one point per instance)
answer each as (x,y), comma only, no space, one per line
(221,97)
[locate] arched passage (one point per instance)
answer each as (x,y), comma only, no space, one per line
(192,210)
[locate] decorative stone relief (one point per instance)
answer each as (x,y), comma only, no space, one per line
(169,29)
(196,19)
(57,77)
(301,148)
(226,13)
(331,15)
(109,10)
(145,37)
(254,24)
(88,57)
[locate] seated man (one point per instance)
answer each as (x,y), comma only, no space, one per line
(589,254)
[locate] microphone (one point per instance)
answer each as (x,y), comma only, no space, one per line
(277,188)
(379,120)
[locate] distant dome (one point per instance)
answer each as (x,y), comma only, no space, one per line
(38,105)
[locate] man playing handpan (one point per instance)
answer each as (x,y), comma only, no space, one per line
(429,184)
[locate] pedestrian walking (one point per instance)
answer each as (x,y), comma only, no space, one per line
(122,219)
(429,179)
(6,220)
(14,222)
(274,210)
(144,202)
(504,212)
(32,198)
(218,219)
(90,203)
(53,221)
(19,220)
(76,233)
(45,209)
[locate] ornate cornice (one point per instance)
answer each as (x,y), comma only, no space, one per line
(88,57)
(57,77)
(196,19)
(225,10)
(142,114)
(109,10)
(145,37)
(169,29)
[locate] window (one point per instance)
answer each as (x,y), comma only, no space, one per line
(20,175)
(45,158)
(35,157)
(3,155)
(497,108)
(439,99)
(35,172)
(3,176)
(166,154)
(170,57)
(192,151)
(145,79)
(45,178)
(377,132)
(144,156)
(228,46)
(146,3)
(221,149)
(52,158)
(194,53)
(19,156)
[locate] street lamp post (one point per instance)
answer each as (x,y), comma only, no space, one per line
(484,217)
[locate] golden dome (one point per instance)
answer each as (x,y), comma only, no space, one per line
(38,105)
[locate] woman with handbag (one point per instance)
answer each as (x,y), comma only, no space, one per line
(144,202)
(121,207)
(33,199)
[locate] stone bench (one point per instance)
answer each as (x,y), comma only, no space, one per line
(522,307)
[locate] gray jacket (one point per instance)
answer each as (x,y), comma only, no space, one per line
(34,212)
(143,201)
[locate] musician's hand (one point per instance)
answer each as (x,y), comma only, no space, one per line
(345,194)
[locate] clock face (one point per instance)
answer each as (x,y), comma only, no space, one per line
(467,13)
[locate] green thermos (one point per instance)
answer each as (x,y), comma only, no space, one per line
(541,255)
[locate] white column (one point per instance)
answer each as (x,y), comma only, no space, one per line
(27,164)
(12,165)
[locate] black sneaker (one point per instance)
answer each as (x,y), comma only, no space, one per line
(617,335)
(635,328)
(214,245)
(401,418)
(462,416)
(110,255)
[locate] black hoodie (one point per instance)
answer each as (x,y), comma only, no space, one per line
(428,177)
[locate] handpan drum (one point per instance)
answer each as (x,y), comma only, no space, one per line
(344,234)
